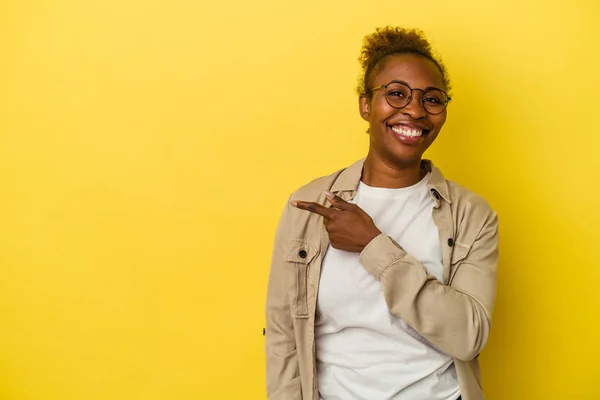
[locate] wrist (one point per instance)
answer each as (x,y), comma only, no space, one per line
(369,238)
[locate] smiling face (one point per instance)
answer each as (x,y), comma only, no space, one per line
(399,137)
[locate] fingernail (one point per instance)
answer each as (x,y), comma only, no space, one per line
(294,203)
(329,194)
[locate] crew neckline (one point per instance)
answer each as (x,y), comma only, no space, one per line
(373,191)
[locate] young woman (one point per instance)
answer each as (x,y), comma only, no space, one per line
(383,276)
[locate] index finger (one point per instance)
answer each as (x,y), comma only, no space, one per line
(315,208)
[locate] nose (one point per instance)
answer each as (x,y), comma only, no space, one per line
(414,108)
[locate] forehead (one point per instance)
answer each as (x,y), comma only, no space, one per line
(416,70)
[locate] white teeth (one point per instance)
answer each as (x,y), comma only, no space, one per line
(408,132)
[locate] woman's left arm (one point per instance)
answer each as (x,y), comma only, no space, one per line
(456,318)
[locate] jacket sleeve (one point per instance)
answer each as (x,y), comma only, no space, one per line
(283,377)
(456,318)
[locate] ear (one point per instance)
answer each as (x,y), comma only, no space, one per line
(364,107)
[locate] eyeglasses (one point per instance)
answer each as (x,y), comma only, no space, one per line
(399,94)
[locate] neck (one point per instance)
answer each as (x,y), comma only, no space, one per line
(378,172)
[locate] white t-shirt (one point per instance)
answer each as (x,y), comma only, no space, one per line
(363,351)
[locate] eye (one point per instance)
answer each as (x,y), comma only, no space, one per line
(432,100)
(395,93)
(434,97)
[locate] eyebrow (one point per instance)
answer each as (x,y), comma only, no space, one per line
(406,83)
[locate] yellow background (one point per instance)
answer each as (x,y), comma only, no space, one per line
(148,147)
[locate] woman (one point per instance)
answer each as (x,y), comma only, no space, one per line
(402,260)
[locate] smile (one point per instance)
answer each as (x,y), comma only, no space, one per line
(408,132)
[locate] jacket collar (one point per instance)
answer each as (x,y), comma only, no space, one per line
(349,179)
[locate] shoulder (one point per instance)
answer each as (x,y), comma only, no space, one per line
(313,190)
(466,196)
(469,204)
(299,226)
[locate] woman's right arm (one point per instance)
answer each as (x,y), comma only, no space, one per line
(283,377)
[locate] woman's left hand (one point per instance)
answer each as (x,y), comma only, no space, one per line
(350,228)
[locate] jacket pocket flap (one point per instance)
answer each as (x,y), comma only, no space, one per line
(460,252)
(300,251)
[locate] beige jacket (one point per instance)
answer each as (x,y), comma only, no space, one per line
(454,315)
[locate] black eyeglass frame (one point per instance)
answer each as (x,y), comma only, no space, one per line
(448,98)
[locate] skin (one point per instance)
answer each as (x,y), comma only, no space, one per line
(391,162)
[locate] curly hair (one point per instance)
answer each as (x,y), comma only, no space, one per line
(391,40)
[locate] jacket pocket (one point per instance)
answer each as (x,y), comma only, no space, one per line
(459,253)
(299,254)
